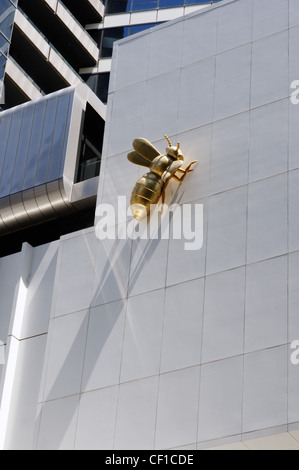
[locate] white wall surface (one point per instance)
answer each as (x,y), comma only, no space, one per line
(26,290)
(151,346)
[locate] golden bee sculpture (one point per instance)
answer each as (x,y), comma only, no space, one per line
(152,185)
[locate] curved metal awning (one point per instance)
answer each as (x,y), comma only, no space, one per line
(40,145)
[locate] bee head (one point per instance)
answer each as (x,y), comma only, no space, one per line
(174,152)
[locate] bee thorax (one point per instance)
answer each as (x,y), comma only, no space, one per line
(160,164)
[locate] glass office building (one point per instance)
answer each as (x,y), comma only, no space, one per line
(58,43)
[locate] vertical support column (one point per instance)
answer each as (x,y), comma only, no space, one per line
(12,349)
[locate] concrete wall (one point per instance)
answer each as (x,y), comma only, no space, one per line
(150,345)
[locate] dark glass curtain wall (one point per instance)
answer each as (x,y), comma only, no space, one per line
(7,12)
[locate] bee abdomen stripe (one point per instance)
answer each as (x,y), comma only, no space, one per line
(145,187)
(141,196)
(148,193)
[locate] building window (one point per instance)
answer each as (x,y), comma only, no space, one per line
(91,146)
(107,37)
(110,35)
(90,161)
(139,5)
(99,83)
(117,6)
(121,6)
(171,3)
(7,12)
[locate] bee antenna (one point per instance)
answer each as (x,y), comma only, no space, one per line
(178,147)
(169,143)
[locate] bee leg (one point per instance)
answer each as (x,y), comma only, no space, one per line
(163,195)
(163,192)
(187,170)
(176,178)
(181,170)
(181,179)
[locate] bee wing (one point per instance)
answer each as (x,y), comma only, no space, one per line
(145,149)
(144,152)
(134,157)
